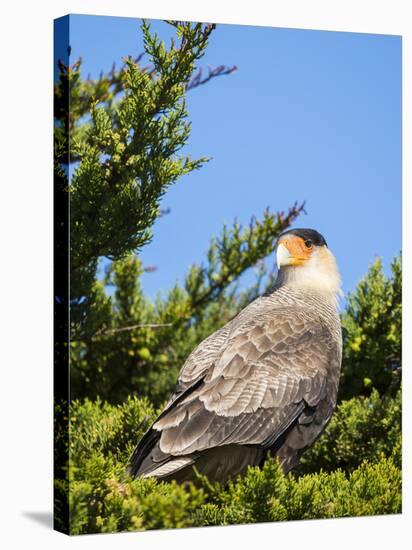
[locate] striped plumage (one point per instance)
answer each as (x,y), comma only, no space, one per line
(264,383)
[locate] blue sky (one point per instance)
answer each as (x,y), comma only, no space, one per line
(309,115)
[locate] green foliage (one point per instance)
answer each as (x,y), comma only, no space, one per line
(102,437)
(268,495)
(128,155)
(372,322)
(104,432)
(362,428)
(104,499)
(125,133)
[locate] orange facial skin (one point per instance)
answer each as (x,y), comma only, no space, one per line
(297,248)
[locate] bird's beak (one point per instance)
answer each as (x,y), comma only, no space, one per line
(283,256)
(291,251)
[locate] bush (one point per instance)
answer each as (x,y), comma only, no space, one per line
(268,495)
(372,329)
(361,429)
(363,439)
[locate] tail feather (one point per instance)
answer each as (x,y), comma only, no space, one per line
(219,463)
(142,452)
(170,467)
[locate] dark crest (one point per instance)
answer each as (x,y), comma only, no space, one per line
(307,235)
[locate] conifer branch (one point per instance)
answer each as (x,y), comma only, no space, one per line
(109,332)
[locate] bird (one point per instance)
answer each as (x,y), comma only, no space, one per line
(264,385)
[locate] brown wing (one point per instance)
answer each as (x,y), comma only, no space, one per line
(269,368)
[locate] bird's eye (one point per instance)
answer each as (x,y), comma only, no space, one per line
(309,244)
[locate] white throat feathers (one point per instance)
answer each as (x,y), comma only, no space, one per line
(320,272)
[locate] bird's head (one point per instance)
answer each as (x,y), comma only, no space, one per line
(304,260)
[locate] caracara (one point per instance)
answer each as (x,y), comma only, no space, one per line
(264,384)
